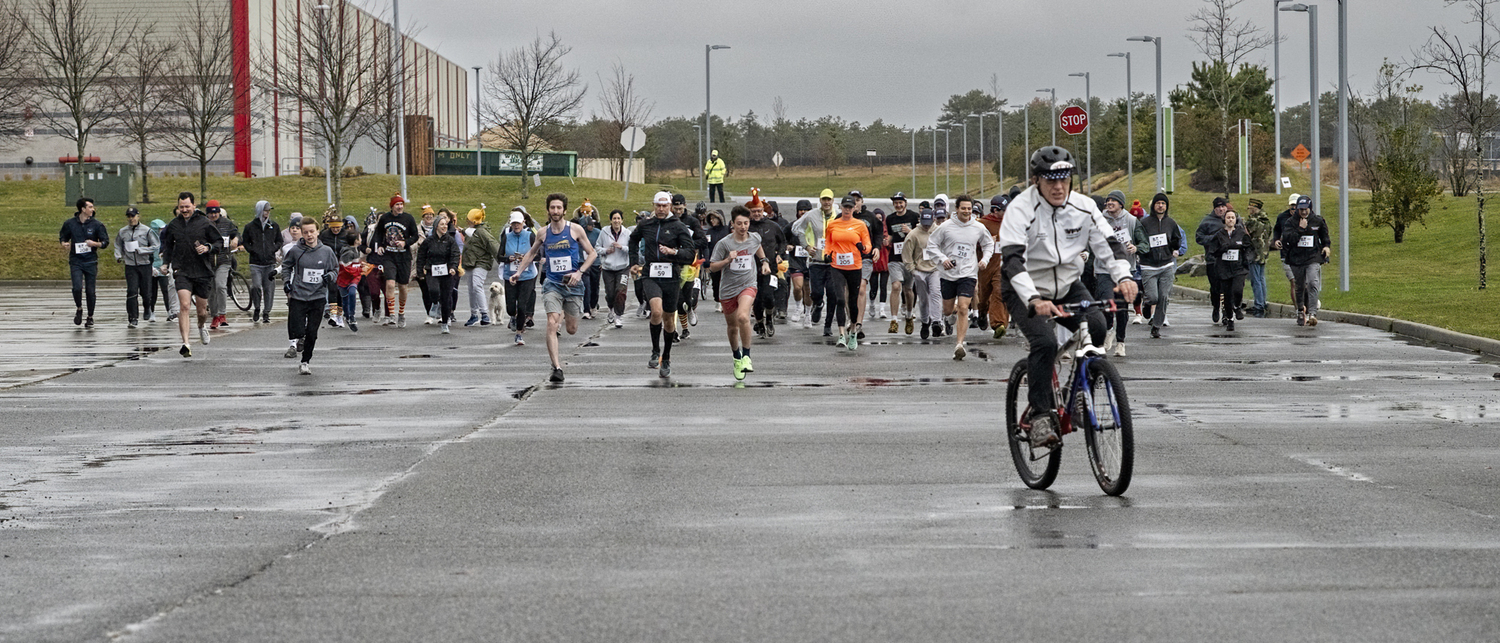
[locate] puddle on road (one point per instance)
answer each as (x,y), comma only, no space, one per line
(876,382)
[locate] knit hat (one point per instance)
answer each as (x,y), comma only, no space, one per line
(1116,196)
(1256,203)
(755,200)
(397,199)
(803,205)
(1160,197)
(427,209)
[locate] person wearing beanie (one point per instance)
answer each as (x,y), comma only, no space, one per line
(262,240)
(224,263)
(395,237)
(478,262)
(1123,225)
(989,296)
(1258,229)
(1157,238)
(713,173)
(1136,210)
(773,245)
(1209,227)
(800,308)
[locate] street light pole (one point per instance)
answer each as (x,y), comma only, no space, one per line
(1129,126)
(1053,109)
(1276,57)
(708,129)
(1160,121)
(934,161)
(698,134)
(397,41)
(1312,43)
(1000,145)
(1343,146)
(1026,125)
(478,143)
(948,159)
(913,161)
(965,146)
(1088,134)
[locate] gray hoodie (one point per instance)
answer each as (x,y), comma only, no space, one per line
(143,238)
(309,271)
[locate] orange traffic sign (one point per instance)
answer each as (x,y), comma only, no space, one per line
(1301,153)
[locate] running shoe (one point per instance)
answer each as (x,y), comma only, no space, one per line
(770,328)
(749,365)
(682,334)
(1120,349)
(484,320)
(1000,330)
(1155,332)
(738,369)
(203,335)
(88,323)
(132,325)
(1109,342)
(655,360)
(214,323)
(1229,324)
(223,321)
(692,317)
(959,353)
(430,321)
(665,371)
(895,326)
(291,351)
(473,319)
(1042,431)
(910,325)
(444,328)
(817,314)
(557,374)
(1301,318)
(185,351)
(1166,321)
(828,332)
(1312,320)
(304,368)
(151,317)
(926,329)
(519,340)
(760,329)
(1216,315)
(619,323)
(389,321)
(947,327)
(78,317)
(400,321)
(353,327)
(171,317)
(1137,319)
(853,341)
(1239,313)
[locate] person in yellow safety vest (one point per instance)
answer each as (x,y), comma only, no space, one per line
(714,172)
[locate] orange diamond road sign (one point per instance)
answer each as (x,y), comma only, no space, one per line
(1300,153)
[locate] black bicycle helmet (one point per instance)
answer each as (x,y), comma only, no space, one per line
(1052,162)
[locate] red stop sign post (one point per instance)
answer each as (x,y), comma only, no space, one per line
(1073,120)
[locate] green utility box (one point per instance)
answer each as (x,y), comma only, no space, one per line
(108,184)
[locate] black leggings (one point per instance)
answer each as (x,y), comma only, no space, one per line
(446,294)
(1232,294)
(302,322)
(880,285)
(520,301)
(844,287)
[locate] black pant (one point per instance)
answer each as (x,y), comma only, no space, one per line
(817,280)
(712,187)
(765,297)
(445,294)
(1215,295)
(302,320)
(137,285)
(1043,342)
(520,301)
(84,275)
(843,288)
(591,288)
(427,296)
(614,290)
(1232,291)
(1105,291)
(879,285)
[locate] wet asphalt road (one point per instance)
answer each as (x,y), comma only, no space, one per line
(1334,483)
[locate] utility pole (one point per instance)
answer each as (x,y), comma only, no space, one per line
(1129,126)
(1088,134)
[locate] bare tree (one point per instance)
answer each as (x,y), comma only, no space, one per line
(528,88)
(141,95)
(384,117)
(15,100)
(624,107)
(332,76)
(72,50)
(1463,65)
(201,93)
(1226,41)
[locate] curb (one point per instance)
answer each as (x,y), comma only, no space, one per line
(1414,330)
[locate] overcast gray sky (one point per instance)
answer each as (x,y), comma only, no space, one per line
(899,60)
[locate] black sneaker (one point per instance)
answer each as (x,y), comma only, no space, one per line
(88,323)
(1155,332)
(665,371)
(926,330)
(557,374)
(353,327)
(947,328)
(760,329)
(770,328)
(817,313)
(1229,324)
(683,333)
(1239,313)
(185,351)
(78,317)
(1216,314)
(827,332)
(655,360)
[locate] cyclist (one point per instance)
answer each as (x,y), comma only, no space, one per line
(1047,229)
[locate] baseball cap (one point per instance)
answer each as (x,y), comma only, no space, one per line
(826,194)
(899,196)
(940,212)
(1304,203)
(1293,200)
(856,194)
(517,217)
(132,212)
(927,216)
(999,202)
(678,199)
(847,202)
(878,211)
(941,198)
(662,198)
(1218,201)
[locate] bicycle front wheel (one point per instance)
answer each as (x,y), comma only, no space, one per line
(1037,468)
(1104,411)
(239,290)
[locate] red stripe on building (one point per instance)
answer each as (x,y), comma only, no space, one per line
(239,25)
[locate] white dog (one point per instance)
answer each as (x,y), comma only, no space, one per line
(497,301)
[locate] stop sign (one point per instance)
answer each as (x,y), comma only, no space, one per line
(1074,120)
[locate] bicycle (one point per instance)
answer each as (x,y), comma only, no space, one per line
(1092,395)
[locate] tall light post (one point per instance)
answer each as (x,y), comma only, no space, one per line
(948,159)
(981,116)
(1160,123)
(934,161)
(1276,57)
(708,114)
(1026,125)
(1343,146)
(913,161)
(698,134)
(1129,126)
(1088,134)
(1000,145)
(965,147)
(399,61)
(1053,109)
(478,142)
(1312,44)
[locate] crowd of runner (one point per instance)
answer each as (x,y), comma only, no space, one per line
(944,268)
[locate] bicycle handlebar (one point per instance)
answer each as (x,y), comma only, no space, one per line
(1109,306)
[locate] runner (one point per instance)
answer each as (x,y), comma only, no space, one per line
(520,297)
(876,229)
(135,246)
(396,232)
(438,259)
(659,248)
(310,268)
(262,239)
(987,295)
(224,262)
(1232,255)
(800,308)
(338,233)
(479,260)
(1157,240)
(880,275)
(926,287)
(772,245)
(953,248)
(741,258)
(82,237)
(847,240)
(808,231)
(614,243)
(1123,226)
(188,246)
(1211,224)
(1307,243)
(568,255)
(687,299)
(161,279)
(898,224)
(1276,232)
(1046,230)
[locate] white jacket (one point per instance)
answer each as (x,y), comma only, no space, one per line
(617,259)
(968,245)
(1043,246)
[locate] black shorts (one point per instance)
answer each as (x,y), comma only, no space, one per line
(199,286)
(959,288)
(397,267)
(667,290)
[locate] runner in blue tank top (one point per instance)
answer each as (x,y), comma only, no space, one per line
(568,255)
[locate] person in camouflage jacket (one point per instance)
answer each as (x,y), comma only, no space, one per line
(1258,229)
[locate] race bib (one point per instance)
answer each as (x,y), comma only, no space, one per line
(772,281)
(624,280)
(741,263)
(962,252)
(132,246)
(1158,240)
(661,270)
(559,264)
(821,243)
(843,259)
(515,266)
(440,270)
(1122,237)
(1231,255)
(1305,241)
(799,251)
(81,248)
(897,246)
(314,275)
(697,284)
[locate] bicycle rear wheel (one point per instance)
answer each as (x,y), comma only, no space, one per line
(1104,411)
(239,290)
(1037,468)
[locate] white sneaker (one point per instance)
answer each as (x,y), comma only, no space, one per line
(885,312)
(692,317)
(1137,319)
(430,321)
(1109,342)
(718,307)
(959,353)
(619,323)
(303,368)
(1165,321)
(203,334)
(1120,349)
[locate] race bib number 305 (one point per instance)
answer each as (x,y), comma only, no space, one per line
(81,248)
(1158,240)
(661,270)
(799,251)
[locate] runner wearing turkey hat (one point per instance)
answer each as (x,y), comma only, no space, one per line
(773,244)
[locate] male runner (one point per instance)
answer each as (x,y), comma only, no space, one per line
(82,237)
(987,296)
(188,245)
(741,258)
(310,267)
(568,256)
(961,249)
(773,246)
(809,233)
(899,223)
(396,232)
(659,248)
